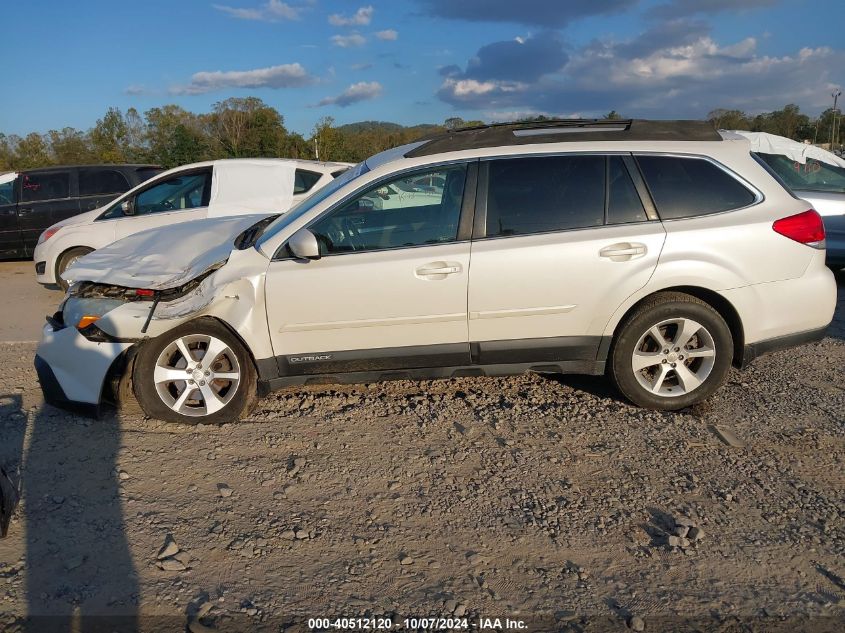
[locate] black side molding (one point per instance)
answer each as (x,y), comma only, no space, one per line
(595,368)
(753,350)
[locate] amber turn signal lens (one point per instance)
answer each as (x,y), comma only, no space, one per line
(85,321)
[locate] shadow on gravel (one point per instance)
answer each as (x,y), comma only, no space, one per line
(598,386)
(660,527)
(12,432)
(80,575)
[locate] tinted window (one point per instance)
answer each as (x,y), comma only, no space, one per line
(46,186)
(7,192)
(810,176)
(93,182)
(188,191)
(145,173)
(337,173)
(304,180)
(623,201)
(555,193)
(689,187)
(395,214)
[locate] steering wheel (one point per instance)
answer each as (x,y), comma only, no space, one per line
(353,237)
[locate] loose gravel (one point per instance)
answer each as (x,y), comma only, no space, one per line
(545,499)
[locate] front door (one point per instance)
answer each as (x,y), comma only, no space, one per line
(45,198)
(565,240)
(10,233)
(390,290)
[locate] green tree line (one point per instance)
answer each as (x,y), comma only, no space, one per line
(247,127)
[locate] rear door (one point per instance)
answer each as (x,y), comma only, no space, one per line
(10,233)
(559,243)
(100,185)
(46,197)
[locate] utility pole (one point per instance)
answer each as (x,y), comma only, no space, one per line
(833,135)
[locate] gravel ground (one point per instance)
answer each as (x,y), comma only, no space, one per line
(540,499)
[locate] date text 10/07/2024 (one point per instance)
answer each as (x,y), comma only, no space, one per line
(417,624)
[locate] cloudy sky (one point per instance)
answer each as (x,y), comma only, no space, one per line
(414,61)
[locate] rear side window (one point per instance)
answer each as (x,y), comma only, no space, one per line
(45,186)
(689,187)
(304,180)
(623,201)
(145,173)
(94,182)
(552,193)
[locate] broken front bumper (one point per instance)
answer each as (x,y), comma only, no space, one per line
(72,370)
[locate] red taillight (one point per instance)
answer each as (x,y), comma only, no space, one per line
(143,292)
(806,228)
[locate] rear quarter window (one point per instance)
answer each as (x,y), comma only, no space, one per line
(685,187)
(305,180)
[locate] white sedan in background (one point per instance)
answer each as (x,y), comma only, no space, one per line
(190,192)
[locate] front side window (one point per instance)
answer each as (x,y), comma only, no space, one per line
(685,187)
(550,193)
(45,186)
(188,191)
(813,175)
(94,182)
(395,214)
(7,192)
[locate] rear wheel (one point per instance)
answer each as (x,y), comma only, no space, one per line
(672,352)
(68,259)
(196,373)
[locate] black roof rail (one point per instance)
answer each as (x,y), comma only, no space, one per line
(564,130)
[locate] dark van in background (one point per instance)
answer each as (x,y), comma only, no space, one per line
(38,198)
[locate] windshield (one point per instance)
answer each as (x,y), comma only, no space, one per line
(314,199)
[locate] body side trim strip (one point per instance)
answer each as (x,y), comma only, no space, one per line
(520,312)
(342,325)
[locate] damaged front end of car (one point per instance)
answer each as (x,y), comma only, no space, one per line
(84,360)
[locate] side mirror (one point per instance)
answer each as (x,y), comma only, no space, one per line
(127,208)
(303,244)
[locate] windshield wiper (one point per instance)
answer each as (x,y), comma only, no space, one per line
(250,236)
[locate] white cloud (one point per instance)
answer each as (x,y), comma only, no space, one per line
(133,90)
(272,11)
(282,76)
(348,41)
(362,91)
(387,35)
(685,78)
(362,17)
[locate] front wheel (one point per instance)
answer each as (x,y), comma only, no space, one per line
(196,373)
(68,259)
(672,352)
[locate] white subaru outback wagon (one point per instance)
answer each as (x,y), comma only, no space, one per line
(658,252)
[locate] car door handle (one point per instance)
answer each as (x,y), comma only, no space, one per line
(623,251)
(24,211)
(438,269)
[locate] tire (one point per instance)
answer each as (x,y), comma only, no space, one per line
(691,363)
(206,400)
(66,259)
